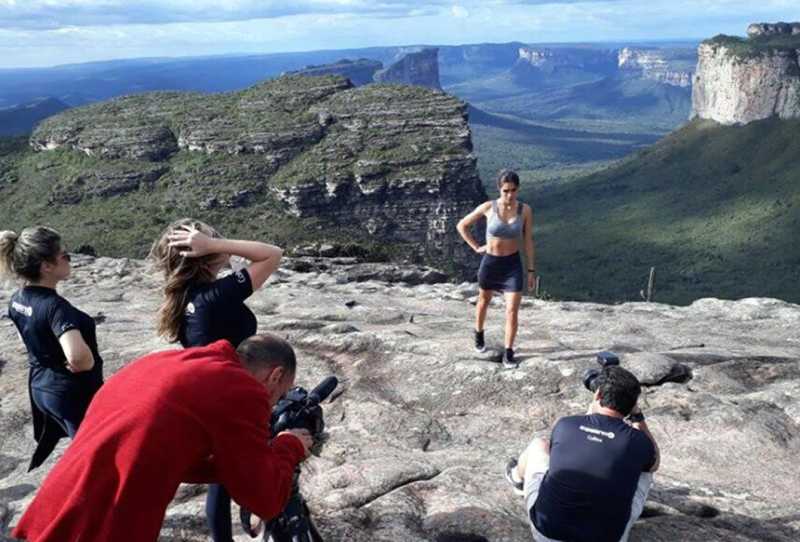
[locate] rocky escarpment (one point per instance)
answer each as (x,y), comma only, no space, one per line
(421,426)
(654,64)
(301,158)
(417,68)
(757,30)
(551,59)
(409,186)
(743,80)
(359,72)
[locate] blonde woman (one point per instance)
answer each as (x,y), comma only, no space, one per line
(200,308)
(65,367)
(509,227)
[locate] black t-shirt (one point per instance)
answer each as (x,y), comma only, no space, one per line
(217,311)
(41,317)
(595,464)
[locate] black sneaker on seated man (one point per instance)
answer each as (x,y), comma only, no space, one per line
(589,482)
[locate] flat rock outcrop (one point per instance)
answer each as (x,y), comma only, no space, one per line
(389,167)
(744,80)
(417,68)
(422,427)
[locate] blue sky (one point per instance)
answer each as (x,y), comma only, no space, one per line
(50,32)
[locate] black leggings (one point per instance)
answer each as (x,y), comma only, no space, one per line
(65,407)
(218,513)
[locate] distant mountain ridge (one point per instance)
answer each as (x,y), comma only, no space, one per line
(21,119)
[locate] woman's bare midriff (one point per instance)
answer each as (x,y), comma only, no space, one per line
(497,246)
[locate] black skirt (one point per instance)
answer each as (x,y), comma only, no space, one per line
(501,273)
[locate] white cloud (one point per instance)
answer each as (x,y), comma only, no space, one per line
(459,12)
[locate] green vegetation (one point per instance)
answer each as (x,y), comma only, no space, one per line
(715,209)
(545,154)
(745,48)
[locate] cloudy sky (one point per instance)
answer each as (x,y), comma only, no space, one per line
(50,32)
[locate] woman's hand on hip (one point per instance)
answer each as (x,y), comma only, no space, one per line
(481,249)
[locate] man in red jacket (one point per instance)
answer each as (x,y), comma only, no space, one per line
(195,415)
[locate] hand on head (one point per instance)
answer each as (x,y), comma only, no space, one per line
(189,237)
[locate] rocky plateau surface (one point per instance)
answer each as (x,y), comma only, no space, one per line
(421,427)
(740,81)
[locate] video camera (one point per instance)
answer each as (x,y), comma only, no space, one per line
(298,409)
(605,359)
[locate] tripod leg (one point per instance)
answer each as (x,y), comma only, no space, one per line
(315,536)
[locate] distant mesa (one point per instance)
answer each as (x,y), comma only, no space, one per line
(417,68)
(360,72)
(742,80)
(757,30)
(656,65)
(556,65)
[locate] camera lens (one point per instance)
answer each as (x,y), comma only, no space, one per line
(590,379)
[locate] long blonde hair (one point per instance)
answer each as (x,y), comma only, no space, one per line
(22,255)
(180,273)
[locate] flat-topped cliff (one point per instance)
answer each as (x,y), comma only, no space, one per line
(658,65)
(741,80)
(300,159)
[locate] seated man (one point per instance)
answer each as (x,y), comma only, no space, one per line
(193,415)
(590,482)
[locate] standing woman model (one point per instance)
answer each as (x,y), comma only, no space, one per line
(199,308)
(509,224)
(65,368)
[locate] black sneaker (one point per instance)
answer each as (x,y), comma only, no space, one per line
(512,477)
(480,345)
(508,359)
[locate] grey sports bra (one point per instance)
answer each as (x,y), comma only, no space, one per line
(497,228)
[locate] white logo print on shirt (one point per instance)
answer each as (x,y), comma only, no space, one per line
(608,434)
(22,309)
(240,278)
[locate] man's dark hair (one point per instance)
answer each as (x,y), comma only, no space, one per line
(266,351)
(619,389)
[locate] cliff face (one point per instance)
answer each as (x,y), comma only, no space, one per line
(404,170)
(381,165)
(654,65)
(418,68)
(740,81)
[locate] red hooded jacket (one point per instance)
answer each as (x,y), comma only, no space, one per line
(193,415)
